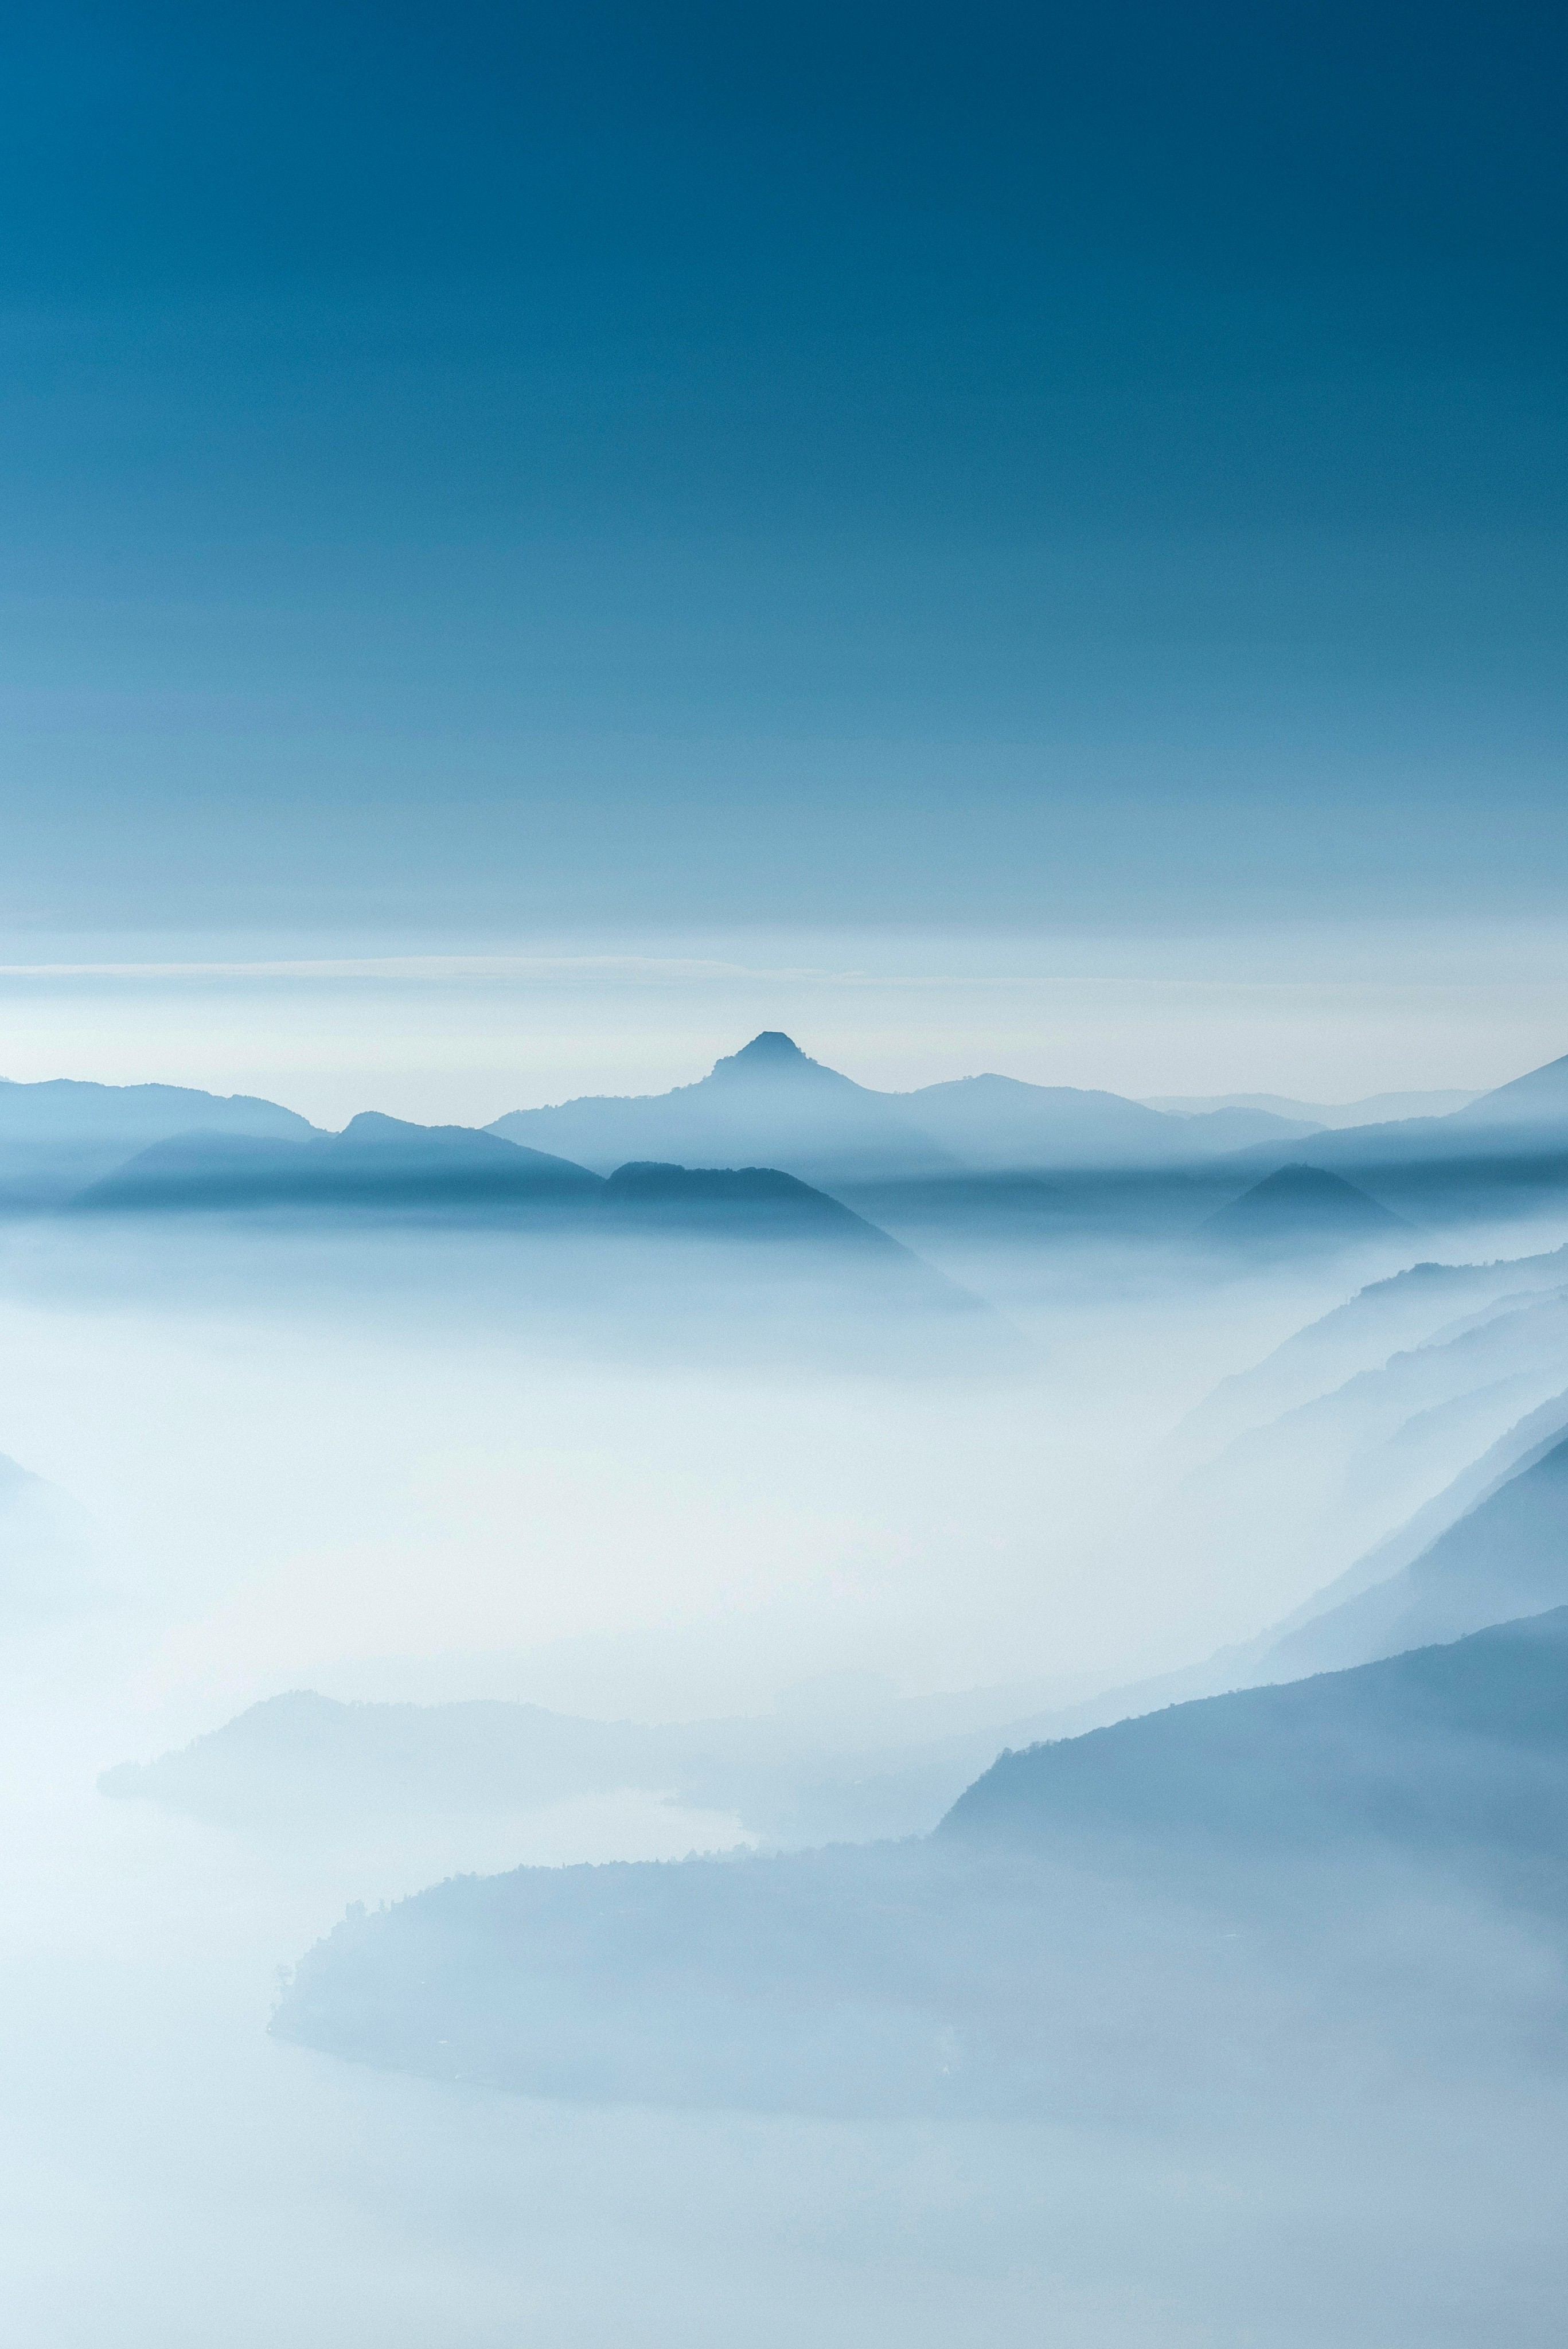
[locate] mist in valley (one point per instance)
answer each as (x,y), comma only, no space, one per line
(364,1551)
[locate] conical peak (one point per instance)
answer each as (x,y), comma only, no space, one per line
(771,1054)
(773,1044)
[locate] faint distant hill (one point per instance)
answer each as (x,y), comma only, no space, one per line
(881,1768)
(58,1136)
(303,1763)
(1303,1206)
(1205,1899)
(770,1104)
(1375,1109)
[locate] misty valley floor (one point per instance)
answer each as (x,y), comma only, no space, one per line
(162,2156)
(395,1484)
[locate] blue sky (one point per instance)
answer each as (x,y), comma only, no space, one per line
(496,469)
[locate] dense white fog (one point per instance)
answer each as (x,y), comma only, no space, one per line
(867,1533)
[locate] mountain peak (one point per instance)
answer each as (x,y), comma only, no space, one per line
(772,1046)
(771,1054)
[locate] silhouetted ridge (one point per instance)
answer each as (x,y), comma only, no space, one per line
(1304,1205)
(757,1202)
(1465,1744)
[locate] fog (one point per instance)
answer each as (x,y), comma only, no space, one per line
(789,1544)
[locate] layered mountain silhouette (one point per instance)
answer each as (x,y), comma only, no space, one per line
(59,1137)
(770,1104)
(1491,1546)
(375,1160)
(384,1162)
(1408,1309)
(1495,1155)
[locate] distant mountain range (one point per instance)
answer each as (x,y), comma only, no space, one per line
(771,1106)
(382,1163)
(1376,1109)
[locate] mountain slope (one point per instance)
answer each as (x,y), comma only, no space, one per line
(1405,1310)
(1451,1747)
(59,1137)
(1508,1557)
(1540,1098)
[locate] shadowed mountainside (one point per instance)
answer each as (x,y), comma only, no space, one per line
(1142,1906)
(1302,1207)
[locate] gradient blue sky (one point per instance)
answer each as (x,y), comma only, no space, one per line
(474,470)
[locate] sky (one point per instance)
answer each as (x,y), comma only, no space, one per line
(624,479)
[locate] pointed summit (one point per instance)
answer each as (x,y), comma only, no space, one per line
(767,1105)
(771,1054)
(773,1044)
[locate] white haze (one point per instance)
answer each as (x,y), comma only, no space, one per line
(380,1471)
